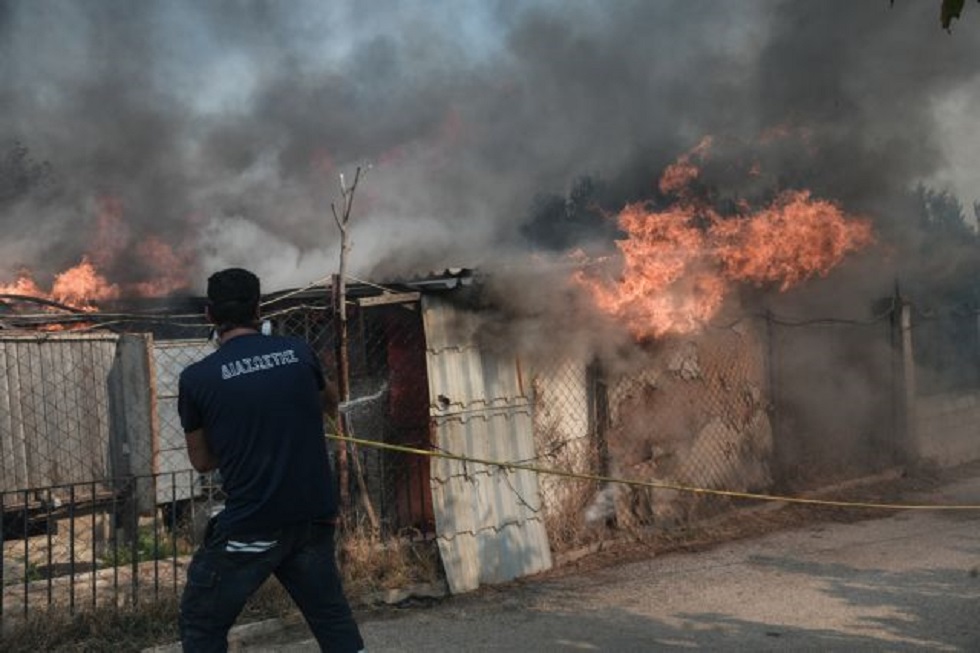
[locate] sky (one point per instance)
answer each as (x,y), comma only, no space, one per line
(221,128)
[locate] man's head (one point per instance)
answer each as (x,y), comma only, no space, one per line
(233,298)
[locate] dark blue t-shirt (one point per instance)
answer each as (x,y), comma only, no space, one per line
(258,400)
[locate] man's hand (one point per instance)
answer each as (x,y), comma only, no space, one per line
(202,459)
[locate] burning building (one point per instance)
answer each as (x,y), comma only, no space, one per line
(668,319)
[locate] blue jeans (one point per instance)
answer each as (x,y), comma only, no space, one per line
(227,570)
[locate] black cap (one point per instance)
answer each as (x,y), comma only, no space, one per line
(233,285)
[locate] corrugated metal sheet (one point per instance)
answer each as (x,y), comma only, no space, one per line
(54,422)
(489,520)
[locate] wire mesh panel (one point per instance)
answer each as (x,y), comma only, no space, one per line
(170,357)
(566,440)
(54,421)
(694,415)
(406,500)
(97,487)
(387,403)
(79,428)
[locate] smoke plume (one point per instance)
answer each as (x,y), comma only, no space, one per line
(221,128)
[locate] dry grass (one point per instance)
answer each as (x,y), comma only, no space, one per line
(102,629)
(367,564)
(565,519)
(370,564)
(125,629)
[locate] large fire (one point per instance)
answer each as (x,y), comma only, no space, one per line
(80,287)
(84,285)
(679,264)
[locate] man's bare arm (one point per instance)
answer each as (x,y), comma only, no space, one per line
(202,459)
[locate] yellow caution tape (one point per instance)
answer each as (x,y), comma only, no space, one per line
(648,484)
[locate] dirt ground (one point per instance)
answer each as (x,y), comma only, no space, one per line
(524,604)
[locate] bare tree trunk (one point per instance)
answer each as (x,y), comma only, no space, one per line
(343,360)
(343,376)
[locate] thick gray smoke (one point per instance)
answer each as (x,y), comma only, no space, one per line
(222,127)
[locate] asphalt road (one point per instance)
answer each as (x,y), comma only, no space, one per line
(907,582)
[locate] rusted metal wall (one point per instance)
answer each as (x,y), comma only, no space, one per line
(489,520)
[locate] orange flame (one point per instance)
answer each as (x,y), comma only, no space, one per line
(679,264)
(24,285)
(84,285)
(794,239)
(78,287)
(678,176)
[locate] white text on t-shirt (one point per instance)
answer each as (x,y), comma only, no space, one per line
(258,363)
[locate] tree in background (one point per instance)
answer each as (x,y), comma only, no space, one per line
(21,176)
(949,10)
(943,251)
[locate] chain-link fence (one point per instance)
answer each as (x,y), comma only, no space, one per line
(100,504)
(764,405)
(685,412)
(694,416)
(567,437)
(387,401)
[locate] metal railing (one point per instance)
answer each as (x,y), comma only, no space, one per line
(84,545)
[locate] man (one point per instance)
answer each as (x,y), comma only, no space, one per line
(253,410)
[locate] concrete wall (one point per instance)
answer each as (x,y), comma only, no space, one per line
(948,428)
